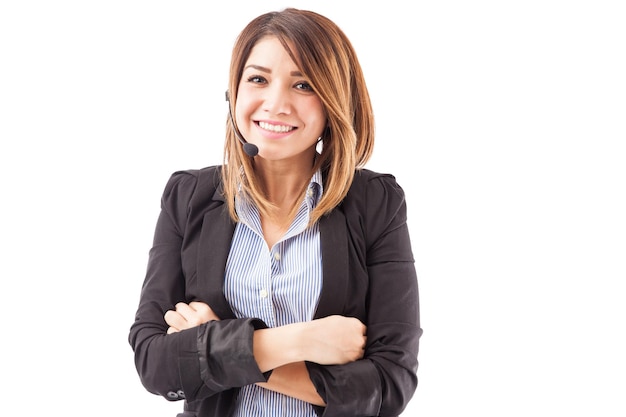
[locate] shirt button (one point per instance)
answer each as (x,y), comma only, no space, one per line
(309,192)
(263,293)
(277,256)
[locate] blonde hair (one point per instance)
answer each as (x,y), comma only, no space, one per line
(327,59)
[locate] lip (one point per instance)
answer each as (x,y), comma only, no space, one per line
(274,134)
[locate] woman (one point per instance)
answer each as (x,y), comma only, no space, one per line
(284,280)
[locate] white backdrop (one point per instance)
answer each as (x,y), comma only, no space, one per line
(504,121)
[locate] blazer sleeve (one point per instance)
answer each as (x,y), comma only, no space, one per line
(194,363)
(383,382)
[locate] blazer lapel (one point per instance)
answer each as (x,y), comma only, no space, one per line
(213,249)
(334,241)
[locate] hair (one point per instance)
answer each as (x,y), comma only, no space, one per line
(326,57)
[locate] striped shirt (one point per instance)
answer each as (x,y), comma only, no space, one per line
(280,286)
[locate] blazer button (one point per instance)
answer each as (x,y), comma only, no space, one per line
(180,393)
(172,395)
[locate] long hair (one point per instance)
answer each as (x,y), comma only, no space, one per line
(325,56)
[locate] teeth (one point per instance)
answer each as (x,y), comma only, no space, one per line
(275,128)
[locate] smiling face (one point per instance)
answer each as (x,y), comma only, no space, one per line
(276,108)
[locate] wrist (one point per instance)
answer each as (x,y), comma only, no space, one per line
(278,346)
(295,347)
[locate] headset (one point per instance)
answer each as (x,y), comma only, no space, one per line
(250,149)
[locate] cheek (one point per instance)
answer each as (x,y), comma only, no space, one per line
(316,112)
(243,110)
(245,103)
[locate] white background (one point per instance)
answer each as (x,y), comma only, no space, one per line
(503,120)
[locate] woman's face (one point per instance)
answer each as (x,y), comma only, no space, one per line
(276,107)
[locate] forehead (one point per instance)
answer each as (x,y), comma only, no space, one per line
(269,52)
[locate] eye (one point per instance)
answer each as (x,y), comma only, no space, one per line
(304,86)
(256,79)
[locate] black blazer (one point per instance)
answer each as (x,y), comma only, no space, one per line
(368,273)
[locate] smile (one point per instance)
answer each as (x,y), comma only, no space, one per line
(275,128)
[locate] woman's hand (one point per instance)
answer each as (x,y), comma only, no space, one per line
(335,340)
(189,315)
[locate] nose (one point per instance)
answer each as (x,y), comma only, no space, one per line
(277,100)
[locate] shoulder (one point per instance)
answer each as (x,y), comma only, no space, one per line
(185,182)
(377,201)
(375,188)
(190,187)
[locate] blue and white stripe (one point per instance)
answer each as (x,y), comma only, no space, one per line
(280,286)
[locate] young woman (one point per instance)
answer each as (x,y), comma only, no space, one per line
(282,282)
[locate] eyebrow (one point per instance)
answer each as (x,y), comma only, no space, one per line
(269,71)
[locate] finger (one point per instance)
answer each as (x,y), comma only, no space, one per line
(203,310)
(184,310)
(199,307)
(168,316)
(171,330)
(173,318)
(193,317)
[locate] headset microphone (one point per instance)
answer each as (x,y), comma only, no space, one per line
(250,149)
